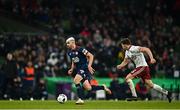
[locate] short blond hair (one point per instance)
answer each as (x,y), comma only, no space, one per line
(70,39)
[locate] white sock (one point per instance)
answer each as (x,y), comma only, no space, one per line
(131,86)
(160,89)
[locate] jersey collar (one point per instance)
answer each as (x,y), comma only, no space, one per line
(129,47)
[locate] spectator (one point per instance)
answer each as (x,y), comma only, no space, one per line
(101,25)
(9,77)
(120,90)
(28,81)
(40,91)
(142,91)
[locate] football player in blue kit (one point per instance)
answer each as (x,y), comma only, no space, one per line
(82,60)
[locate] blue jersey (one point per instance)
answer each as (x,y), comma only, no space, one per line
(78,56)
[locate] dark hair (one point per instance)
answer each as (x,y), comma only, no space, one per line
(126,41)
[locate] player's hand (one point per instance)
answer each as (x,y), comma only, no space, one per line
(91,70)
(152,61)
(119,67)
(70,71)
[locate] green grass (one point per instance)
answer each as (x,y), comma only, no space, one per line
(100,104)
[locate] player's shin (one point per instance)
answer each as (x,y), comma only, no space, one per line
(79,91)
(132,88)
(103,87)
(95,88)
(160,89)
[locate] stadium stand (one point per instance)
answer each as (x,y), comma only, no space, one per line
(98,25)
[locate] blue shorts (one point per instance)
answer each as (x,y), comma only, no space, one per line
(86,75)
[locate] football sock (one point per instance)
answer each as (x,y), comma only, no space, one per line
(131,86)
(160,89)
(94,88)
(79,91)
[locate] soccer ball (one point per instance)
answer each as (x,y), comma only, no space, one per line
(62,98)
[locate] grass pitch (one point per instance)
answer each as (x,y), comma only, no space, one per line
(99,104)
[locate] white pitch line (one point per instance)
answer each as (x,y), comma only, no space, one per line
(90,109)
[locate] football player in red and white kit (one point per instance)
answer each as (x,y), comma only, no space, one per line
(135,54)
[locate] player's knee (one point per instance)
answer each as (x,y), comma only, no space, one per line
(128,80)
(89,88)
(151,85)
(76,81)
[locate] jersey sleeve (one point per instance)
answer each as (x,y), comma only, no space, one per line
(83,50)
(135,49)
(126,56)
(69,54)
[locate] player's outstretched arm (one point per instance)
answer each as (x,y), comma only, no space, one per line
(123,64)
(148,51)
(90,60)
(70,71)
(90,57)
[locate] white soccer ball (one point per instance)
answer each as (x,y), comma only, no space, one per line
(62,98)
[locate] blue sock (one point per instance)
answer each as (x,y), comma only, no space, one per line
(79,91)
(95,88)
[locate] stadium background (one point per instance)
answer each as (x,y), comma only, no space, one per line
(35,31)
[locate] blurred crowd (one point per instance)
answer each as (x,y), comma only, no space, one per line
(98,26)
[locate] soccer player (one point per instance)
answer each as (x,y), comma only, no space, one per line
(135,54)
(82,60)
